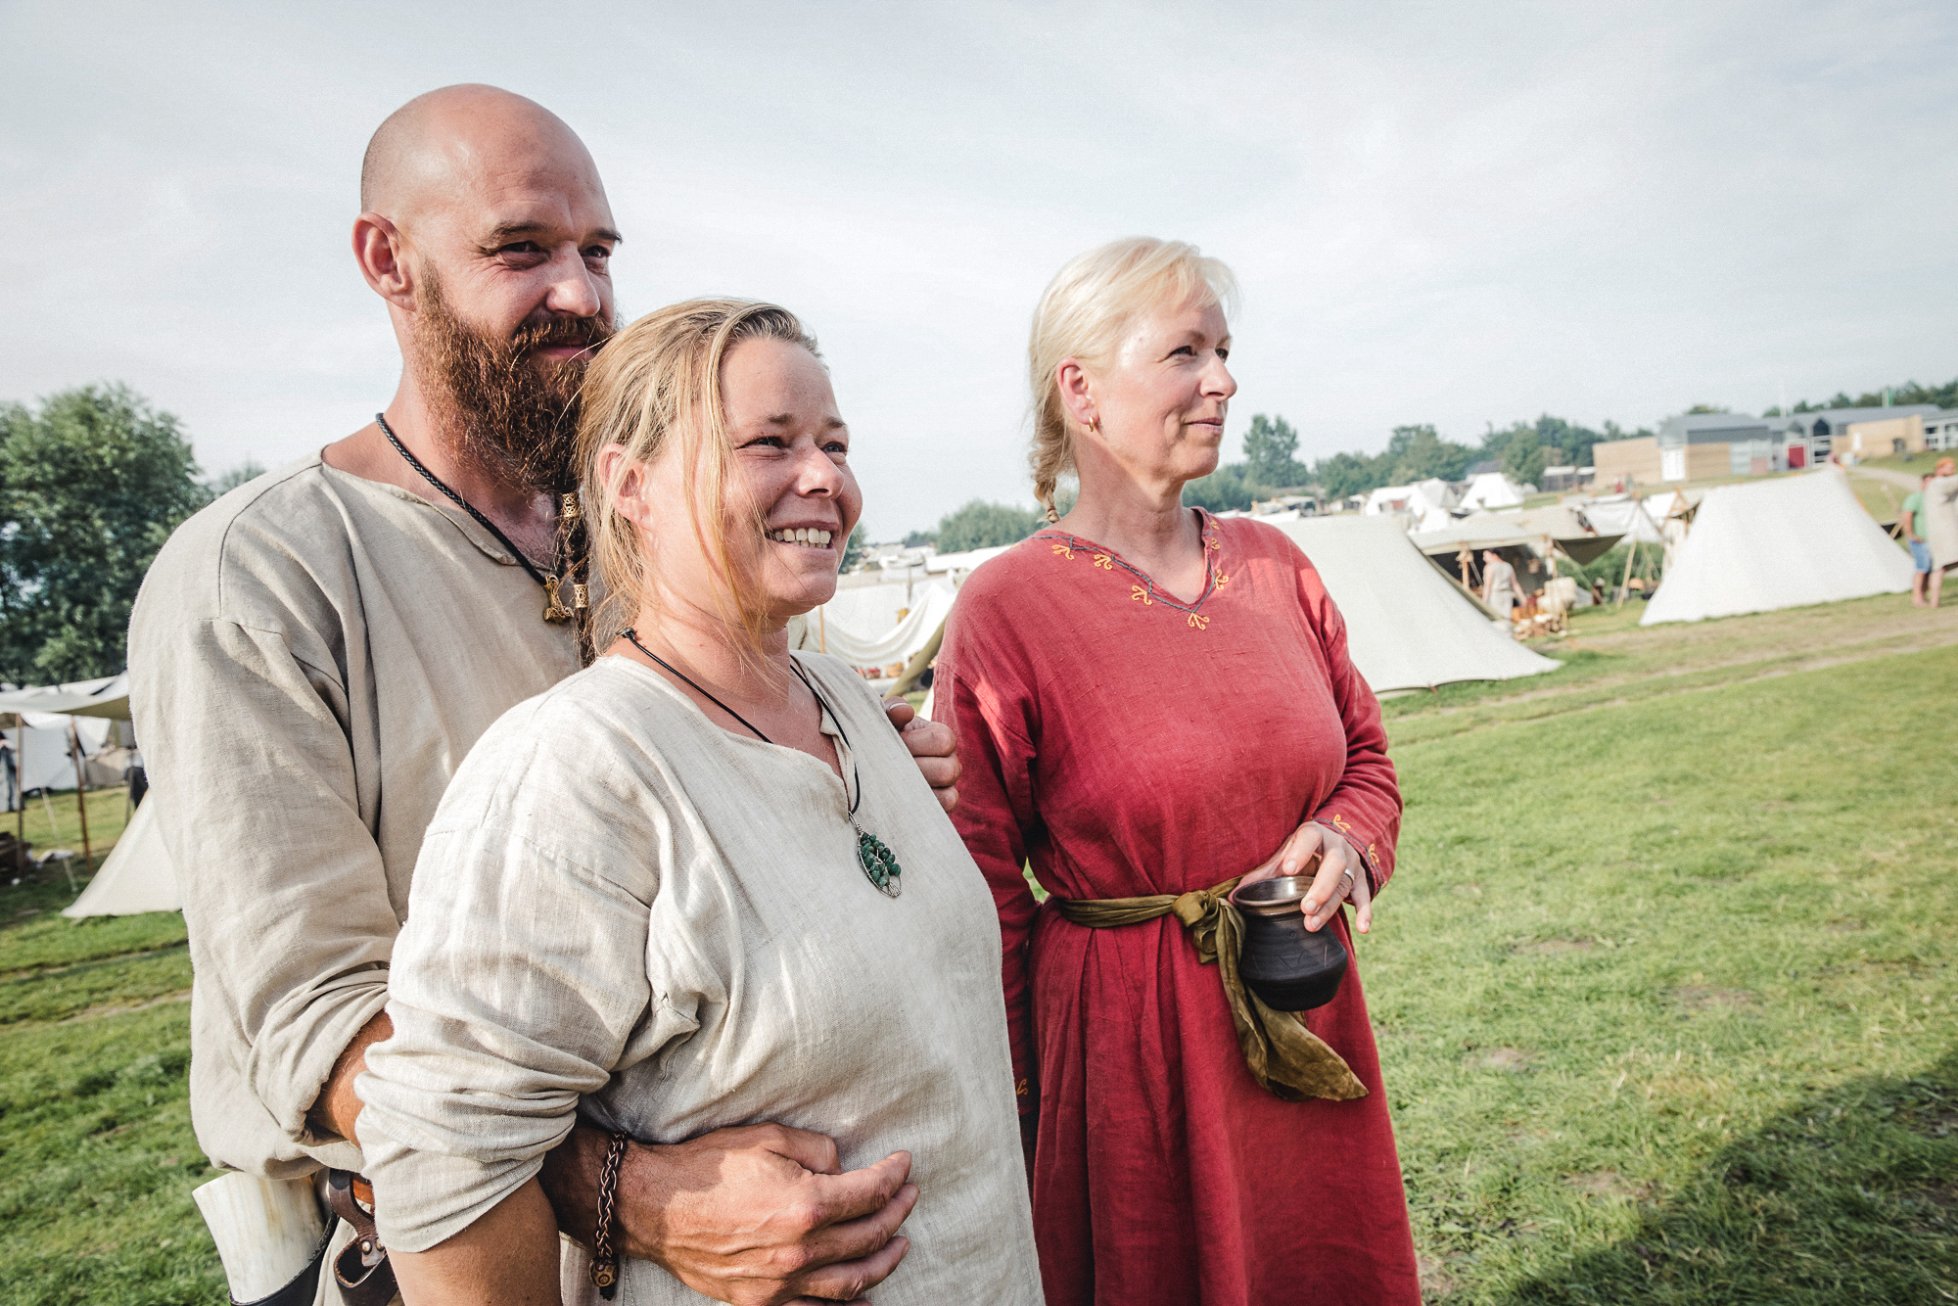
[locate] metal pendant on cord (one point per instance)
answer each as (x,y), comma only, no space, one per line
(874,857)
(567,596)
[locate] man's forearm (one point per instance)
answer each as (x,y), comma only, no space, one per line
(337,1109)
(570,1180)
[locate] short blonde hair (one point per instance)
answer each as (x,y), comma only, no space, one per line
(655,382)
(1082,315)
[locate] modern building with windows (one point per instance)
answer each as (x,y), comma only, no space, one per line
(1812,436)
(1899,431)
(1691,447)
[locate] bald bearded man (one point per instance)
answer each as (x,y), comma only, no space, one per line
(312,655)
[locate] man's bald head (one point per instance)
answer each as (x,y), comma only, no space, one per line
(485,227)
(457,138)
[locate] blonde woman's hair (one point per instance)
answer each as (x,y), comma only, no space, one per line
(656,382)
(1082,315)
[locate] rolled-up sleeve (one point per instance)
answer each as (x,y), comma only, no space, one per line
(285,896)
(518,981)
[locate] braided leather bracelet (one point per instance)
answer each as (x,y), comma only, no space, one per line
(604,1260)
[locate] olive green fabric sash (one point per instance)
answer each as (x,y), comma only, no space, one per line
(1285,1057)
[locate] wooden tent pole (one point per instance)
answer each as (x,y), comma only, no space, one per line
(1625,581)
(81,791)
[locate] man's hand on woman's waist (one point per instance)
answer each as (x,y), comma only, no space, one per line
(755,1215)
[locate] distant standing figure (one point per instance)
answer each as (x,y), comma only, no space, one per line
(1500,589)
(138,778)
(1941,524)
(1915,530)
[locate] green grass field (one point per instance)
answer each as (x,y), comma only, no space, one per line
(1665,989)
(1881,499)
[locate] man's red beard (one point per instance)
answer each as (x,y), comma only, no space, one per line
(510,411)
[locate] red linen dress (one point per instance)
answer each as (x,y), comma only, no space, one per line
(1125,742)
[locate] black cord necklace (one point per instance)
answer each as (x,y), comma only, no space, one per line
(554,606)
(874,857)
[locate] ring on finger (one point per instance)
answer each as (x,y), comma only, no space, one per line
(1346,882)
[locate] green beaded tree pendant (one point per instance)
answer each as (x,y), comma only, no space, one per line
(879,864)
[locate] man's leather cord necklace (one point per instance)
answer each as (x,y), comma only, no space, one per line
(565,583)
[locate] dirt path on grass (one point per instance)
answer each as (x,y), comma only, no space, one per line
(53,969)
(108,1009)
(1906,479)
(1694,656)
(1605,694)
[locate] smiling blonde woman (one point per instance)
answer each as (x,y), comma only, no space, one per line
(701,885)
(1151,704)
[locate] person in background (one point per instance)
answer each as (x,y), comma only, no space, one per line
(1156,705)
(1940,514)
(1500,588)
(137,778)
(1913,526)
(699,884)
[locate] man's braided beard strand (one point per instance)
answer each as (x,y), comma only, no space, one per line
(510,413)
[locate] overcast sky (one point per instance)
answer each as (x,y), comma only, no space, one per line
(1439,213)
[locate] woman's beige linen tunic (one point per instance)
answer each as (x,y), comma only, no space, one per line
(626,912)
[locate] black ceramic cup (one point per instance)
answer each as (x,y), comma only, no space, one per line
(1289,967)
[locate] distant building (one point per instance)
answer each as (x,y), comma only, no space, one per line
(1556,480)
(1900,431)
(1812,436)
(1305,505)
(1692,447)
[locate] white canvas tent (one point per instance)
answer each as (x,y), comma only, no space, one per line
(1408,626)
(45,723)
(1624,516)
(887,628)
(1491,490)
(107,698)
(1417,500)
(1782,543)
(1540,529)
(135,876)
(43,754)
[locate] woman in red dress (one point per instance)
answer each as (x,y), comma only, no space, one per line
(1151,700)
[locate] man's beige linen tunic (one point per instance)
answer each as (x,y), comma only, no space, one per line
(625,911)
(310,658)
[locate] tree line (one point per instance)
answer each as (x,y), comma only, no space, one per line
(92,482)
(1271,467)
(1910,392)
